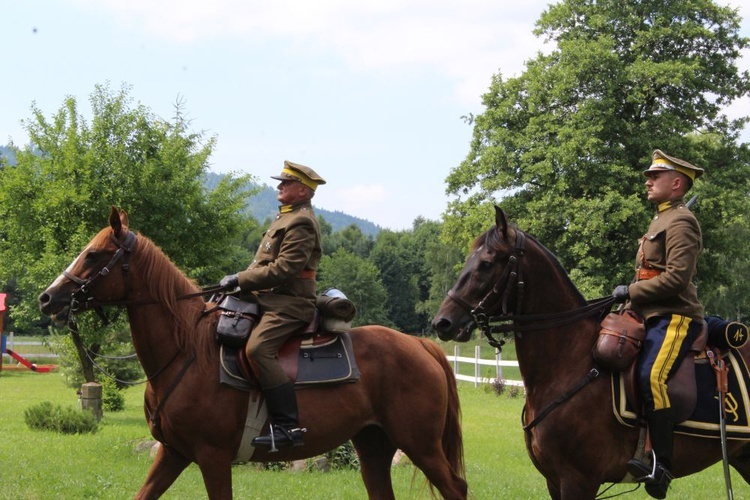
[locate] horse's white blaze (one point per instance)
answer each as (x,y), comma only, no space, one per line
(59,279)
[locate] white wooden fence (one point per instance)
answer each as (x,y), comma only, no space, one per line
(478,378)
(11,343)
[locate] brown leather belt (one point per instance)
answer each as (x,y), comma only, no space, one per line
(646,273)
(307,274)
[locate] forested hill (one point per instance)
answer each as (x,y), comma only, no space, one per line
(264,205)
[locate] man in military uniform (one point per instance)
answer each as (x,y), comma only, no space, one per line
(282,277)
(663,293)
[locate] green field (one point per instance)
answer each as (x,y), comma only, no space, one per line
(42,465)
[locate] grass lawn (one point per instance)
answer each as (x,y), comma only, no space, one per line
(42,465)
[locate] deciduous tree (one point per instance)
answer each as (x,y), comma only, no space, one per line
(563,145)
(59,193)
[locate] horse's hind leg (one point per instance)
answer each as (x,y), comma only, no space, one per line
(433,463)
(375,452)
(167,466)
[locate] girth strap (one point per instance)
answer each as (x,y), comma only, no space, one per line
(590,376)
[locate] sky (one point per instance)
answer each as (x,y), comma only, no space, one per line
(370,94)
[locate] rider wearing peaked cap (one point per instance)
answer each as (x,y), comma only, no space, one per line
(282,278)
(662,291)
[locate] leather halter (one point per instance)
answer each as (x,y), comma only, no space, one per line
(511,279)
(81,298)
(508,321)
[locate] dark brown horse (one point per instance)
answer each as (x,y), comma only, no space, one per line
(577,445)
(405,399)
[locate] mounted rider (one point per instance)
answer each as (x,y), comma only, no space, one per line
(282,277)
(663,292)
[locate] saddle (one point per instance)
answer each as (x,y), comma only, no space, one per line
(320,354)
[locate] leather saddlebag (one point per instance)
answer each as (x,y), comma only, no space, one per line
(620,339)
(236,321)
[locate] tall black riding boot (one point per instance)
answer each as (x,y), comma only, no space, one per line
(285,430)
(657,475)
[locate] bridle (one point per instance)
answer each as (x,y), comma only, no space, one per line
(81,299)
(511,280)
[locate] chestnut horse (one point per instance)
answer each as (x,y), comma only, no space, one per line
(572,435)
(405,399)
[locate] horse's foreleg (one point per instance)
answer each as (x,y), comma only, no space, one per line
(167,466)
(216,469)
(375,452)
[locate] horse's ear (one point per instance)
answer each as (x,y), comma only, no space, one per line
(118,220)
(114,221)
(501,221)
(124,219)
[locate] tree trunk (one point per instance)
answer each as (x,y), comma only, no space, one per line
(86,364)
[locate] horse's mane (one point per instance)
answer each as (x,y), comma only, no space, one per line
(493,240)
(167,283)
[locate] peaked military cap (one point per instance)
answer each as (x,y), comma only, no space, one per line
(299,173)
(661,162)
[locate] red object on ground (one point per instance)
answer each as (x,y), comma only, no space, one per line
(31,366)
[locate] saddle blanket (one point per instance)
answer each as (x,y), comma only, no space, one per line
(306,360)
(704,422)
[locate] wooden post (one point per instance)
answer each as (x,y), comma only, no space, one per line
(91,398)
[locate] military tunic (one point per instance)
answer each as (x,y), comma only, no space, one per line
(282,277)
(671,246)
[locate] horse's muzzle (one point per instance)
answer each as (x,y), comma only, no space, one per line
(58,311)
(448,330)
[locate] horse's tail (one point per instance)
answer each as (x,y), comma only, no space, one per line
(453,443)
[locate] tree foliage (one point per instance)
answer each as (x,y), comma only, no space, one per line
(58,194)
(564,144)
(359,280)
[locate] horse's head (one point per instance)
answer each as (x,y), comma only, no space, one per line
(89,281)
(486,284)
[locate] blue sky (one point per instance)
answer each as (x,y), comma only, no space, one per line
(371,94)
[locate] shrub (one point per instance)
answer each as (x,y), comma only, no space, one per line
(112,397)
(68,420)
(498,385)
(343,457)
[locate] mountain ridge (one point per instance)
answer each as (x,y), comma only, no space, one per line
(263,206)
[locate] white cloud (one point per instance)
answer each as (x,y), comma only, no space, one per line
(464,40)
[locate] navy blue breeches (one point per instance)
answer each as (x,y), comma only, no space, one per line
(668,339)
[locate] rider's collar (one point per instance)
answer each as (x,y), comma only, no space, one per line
(668,204)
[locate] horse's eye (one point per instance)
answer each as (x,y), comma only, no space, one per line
(485,265)
(91,256)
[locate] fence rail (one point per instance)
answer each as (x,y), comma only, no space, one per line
(11,343)
(456,359)
(478,363)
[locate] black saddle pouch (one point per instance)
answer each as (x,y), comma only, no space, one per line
(236,321)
